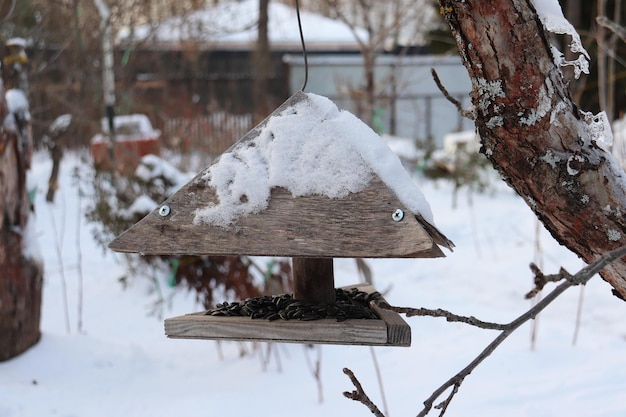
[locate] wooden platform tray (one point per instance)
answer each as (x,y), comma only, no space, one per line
(389,330)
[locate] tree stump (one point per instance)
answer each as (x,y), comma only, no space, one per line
(20,297)
(21,276)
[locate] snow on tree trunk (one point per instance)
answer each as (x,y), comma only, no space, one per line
(533,133)
(21,274)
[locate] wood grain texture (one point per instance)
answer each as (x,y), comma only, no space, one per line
(327,331)
(398,331)
(313,280)
(390,330)
(358,226)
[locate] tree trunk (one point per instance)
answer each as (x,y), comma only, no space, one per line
(534,134)
(21,278)
(21,275)
(20,297)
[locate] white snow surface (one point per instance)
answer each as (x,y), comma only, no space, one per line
(121,364)
(152,167)
(310,148)
(127,127)
(142,205)
(235,22)
(405,148)
(619,141)
(17,102)
(30,244)
(21,42)
(60,124)
(129,124)
(551,15)
(599,129)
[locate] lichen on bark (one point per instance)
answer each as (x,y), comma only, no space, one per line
(533,132)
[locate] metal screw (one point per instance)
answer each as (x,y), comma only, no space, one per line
(164,210)
(397,215)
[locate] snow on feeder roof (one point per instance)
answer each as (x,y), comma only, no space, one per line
(309,181)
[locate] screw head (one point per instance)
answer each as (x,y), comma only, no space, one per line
(397,215)
(164,210)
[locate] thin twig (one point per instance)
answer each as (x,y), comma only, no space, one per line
(279,364)
(79,256)
(59,250)
(220,353)
(359,395)
(265,360)
(538,259)
(541,280)
(439,312)
(579,315)
(534,325)
(612,26)
(255,265)
(582,277)
(470,114)
(380,381)
(443,406)
(316,370)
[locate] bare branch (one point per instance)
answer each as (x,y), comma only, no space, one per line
(380,379)
(595,267)
(470,114)
(359,395)
(514,137)
(541,280)
(451,317)
(581,278)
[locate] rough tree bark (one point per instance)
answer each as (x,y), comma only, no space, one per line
(534,134)
(21,275)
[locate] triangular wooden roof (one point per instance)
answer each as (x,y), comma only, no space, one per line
(359,225)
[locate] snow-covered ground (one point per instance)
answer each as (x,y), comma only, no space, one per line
(121,364)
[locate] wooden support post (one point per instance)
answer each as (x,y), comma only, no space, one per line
(313,280)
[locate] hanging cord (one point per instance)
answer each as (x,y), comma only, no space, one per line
(306,62)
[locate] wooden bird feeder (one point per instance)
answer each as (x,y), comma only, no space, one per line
(303,185)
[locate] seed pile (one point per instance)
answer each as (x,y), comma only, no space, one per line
(349,304)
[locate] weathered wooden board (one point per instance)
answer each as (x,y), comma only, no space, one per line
(358,226)
(390,330)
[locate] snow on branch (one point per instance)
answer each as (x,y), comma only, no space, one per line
(551,15)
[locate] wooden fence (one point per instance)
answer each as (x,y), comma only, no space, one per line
(211,134)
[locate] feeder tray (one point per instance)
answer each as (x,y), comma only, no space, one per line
(371,222)
(388,330)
